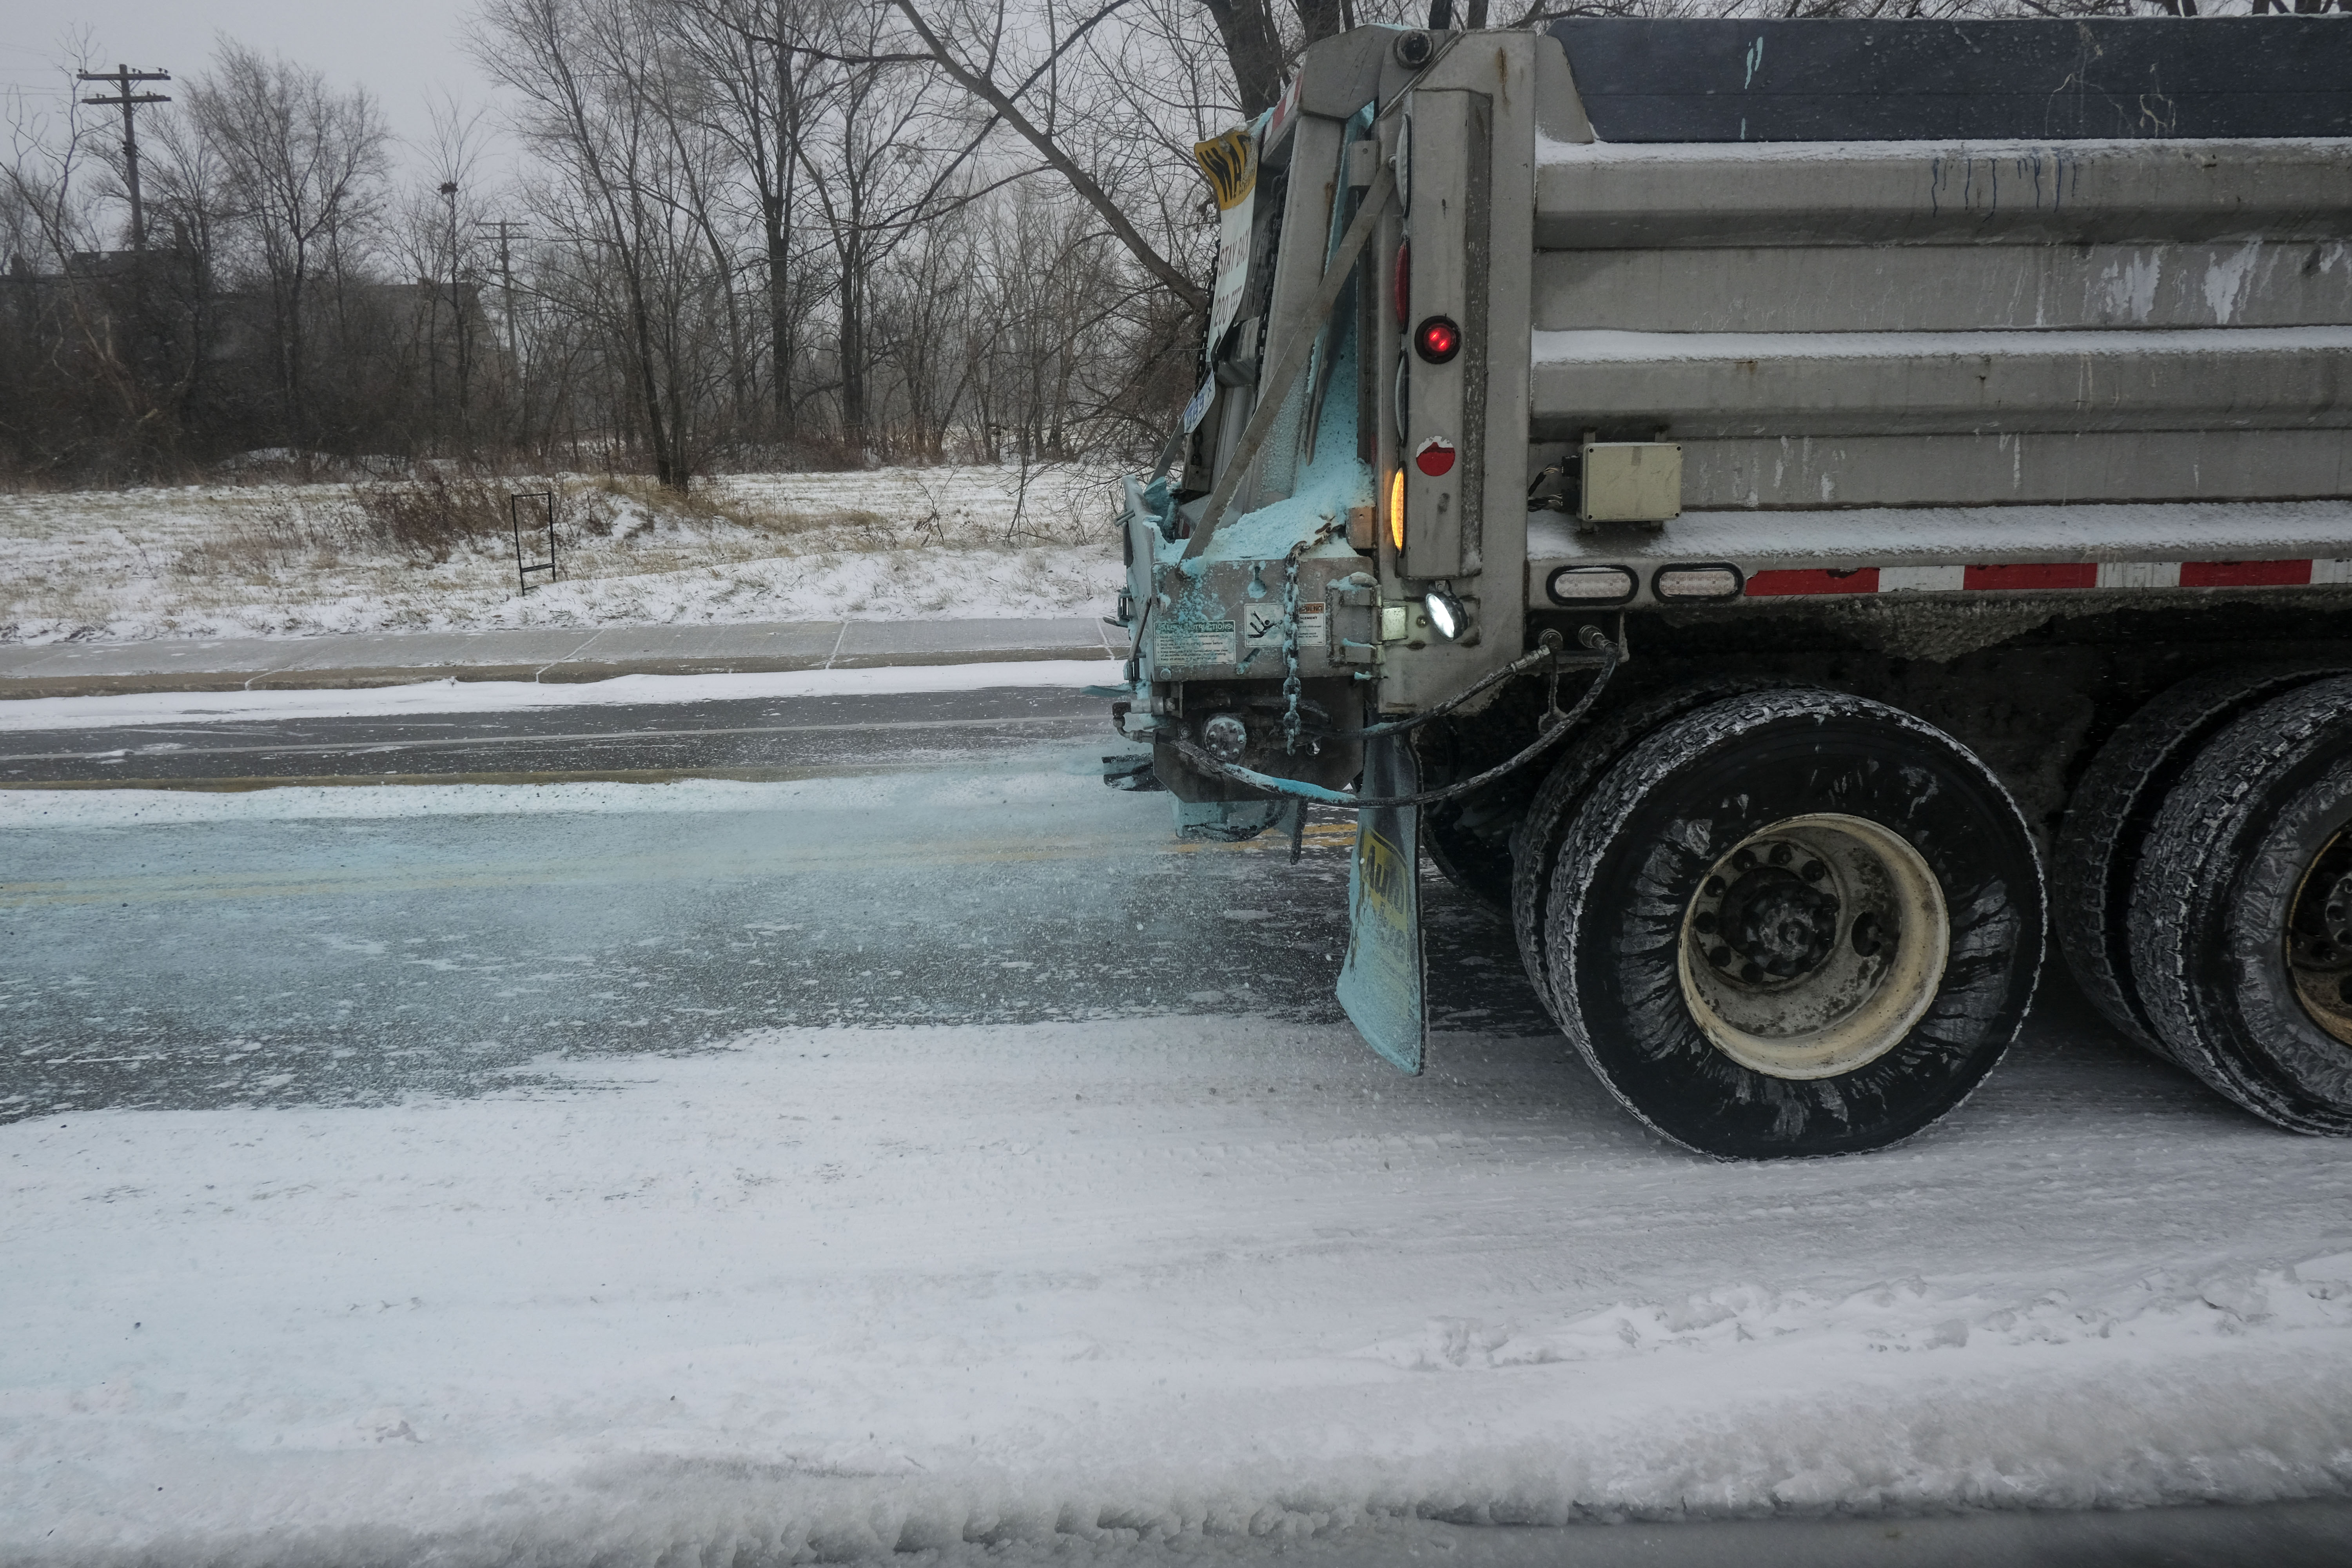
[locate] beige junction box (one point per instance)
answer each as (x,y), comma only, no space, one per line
(1632,481)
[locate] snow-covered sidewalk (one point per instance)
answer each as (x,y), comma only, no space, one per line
(832,1294)
(538,657)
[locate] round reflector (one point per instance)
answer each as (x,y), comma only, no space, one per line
(1435,458)
(1437,340)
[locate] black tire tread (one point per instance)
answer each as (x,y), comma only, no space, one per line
(2107,821)
(2203,817)
(1601,819)
(1535,842)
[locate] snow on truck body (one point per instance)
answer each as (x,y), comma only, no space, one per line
(1788,513)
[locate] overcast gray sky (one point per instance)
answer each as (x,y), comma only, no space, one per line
(402,50)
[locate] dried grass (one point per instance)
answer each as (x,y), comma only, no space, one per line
(437,512)
(273,536)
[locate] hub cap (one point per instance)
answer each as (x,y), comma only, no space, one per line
(2319,938)
(1814,946)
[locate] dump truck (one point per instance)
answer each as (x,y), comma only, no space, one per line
(1791,516)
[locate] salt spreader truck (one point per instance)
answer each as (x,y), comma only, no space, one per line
(1789,513)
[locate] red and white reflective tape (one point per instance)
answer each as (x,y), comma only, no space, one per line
(2300,573)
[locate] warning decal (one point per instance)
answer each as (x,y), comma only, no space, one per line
(1186,643)
(1262,625)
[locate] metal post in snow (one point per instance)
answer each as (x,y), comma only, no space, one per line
(514,523)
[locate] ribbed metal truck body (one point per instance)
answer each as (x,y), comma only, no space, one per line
(1999,373)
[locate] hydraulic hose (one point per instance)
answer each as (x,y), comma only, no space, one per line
(1557,726)
(1520,666)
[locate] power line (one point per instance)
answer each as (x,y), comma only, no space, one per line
(122,76)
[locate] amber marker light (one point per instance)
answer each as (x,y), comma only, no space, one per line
(1396,510)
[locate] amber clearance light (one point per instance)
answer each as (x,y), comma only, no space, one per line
(1396,510)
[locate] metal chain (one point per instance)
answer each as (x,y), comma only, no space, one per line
(1290,635)
(1290,652)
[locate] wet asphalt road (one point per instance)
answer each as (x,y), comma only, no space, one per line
(944,858)
(765,738)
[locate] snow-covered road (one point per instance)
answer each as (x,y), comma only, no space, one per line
(532,1273)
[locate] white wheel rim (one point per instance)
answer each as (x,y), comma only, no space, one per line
(1854,929)
(2319,938)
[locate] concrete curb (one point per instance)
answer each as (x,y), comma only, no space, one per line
(549,657)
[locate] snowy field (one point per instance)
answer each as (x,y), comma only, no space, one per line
(297,559)
(1209,1273)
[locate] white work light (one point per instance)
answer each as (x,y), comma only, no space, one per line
(1447,616)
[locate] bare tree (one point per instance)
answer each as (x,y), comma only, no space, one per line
(302,170)
(587,71)
(757,98)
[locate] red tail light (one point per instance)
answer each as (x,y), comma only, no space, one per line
(1437,340)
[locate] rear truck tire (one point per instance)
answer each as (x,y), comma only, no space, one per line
(2100,842)
(2242,911)
(1536,840)
(1469,839)
(1794,922)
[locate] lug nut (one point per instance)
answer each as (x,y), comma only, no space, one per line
(1704,922)
(1870,935)
(1781,854)
(1744,861)
(1812,872)
(1750,973)
(1719,956)
(1714,889)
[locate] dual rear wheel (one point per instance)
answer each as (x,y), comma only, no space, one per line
(1785,921)
(1780,922)
(2210,918)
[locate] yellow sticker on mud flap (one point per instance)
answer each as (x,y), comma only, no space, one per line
(1384,878)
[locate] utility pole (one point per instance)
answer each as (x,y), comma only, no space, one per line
(122,76)
(457,324)
(508,231)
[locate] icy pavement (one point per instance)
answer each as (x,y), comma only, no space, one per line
(535,1175)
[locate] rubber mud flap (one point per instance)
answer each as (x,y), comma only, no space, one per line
(1381,984)
(1674,817)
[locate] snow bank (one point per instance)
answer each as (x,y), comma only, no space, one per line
(453,696)
(285,560)
(826,1295)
